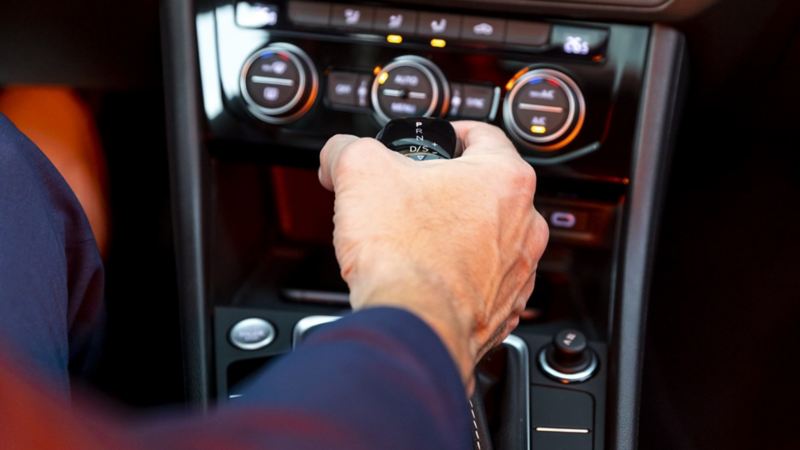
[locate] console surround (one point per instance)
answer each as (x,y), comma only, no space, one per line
(602,200)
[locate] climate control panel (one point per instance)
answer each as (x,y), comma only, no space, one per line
(293,73)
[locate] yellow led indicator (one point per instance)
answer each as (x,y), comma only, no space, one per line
(383,77)
(438,43)
(394,39)
(538,129)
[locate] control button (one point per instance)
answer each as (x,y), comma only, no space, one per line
(579,41)
(477,102)
(568,359)
(561,409)
(353,17)
(256,15)
(279,83)
(309,13)
(252,334)
(409,86)
(456,99)
(563,219)
(342,88)
(438,25)
(527,33)
(362,91)
(544,109)
(483,29)
(398,21)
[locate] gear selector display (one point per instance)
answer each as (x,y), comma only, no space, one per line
(421,138)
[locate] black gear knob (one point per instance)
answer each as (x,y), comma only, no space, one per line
(421,138)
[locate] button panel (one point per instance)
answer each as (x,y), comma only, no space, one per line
(439,25)
(352,17)
(483,29)
(395,21)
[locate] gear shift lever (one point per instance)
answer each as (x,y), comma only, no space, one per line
(421,138)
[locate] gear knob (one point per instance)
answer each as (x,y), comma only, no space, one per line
(421,138)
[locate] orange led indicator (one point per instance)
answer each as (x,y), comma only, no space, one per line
(538,129)
(376,70)
(438,43)
(394,39)
(383,77)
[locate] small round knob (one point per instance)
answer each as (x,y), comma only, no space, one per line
(544,109)
(279,83)
(568,358)
(410,86)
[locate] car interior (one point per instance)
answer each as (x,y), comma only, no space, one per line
(664,313)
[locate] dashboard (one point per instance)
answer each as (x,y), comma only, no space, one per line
(278,78)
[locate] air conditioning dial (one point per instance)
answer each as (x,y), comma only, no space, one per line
(410,86)
(544,109)
(279,83)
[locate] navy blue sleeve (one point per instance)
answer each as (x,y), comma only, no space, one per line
(51,273)
(377,379)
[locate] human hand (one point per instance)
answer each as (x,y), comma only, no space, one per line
(455,242)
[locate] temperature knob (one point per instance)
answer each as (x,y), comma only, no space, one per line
(544,109)
(279,83)
(410,86)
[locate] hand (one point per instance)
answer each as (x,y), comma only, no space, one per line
(455,242)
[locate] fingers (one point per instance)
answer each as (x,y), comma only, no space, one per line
(482,137)
(343,153)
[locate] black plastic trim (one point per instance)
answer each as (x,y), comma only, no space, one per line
(657,120)
(188,166)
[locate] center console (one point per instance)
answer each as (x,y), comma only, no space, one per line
(258,87)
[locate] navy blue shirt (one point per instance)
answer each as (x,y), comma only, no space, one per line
(376,379)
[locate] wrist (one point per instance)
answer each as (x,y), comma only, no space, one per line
(429,301)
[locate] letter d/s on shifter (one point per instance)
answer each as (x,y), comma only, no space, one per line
(421,138)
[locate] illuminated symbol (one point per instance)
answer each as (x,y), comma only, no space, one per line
(352,16)
(403,108)
(438,43)
(569,339)
(455,101)
(545,94)
(276,67)
(383,77)
(271,93)
(362,93)
(394,39)
(418,124)
(395,21)
(539,120)
(255,16)
(438,26)
(406,80)
(538,129)
(343,89)
(576,45)
(483,29)
(475,102)
(563,219)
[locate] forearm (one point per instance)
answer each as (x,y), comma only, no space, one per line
(379,378)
